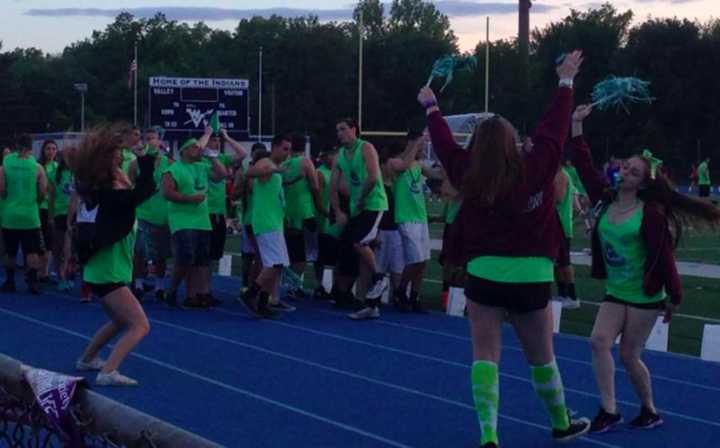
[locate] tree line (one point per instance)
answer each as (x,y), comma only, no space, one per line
(310,74)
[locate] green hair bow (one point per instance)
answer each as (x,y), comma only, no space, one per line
(653,161)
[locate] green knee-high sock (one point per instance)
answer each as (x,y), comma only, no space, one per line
(486,393)
(548,385)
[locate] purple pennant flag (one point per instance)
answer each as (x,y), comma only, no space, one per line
(54,393)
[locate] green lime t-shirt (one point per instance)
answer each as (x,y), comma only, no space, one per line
(217,194)
(352,165)
(624,253)
(298,198)
(22,210)
(703,174)
(112,264)
(61,191)
(268,205)
(575,179)
(409,197)
(49,172)
(190,179)
(512,269)
(155,209)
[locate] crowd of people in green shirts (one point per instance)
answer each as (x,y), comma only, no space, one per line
(118,206)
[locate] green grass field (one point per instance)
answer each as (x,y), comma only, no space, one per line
(701,302)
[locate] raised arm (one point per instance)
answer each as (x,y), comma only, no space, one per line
(593,179)
(552,129)
(453,157)
(238,149)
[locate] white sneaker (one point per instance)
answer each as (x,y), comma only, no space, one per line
(377,289)
(570,304)
(94,364)
(114,378)
(365,314)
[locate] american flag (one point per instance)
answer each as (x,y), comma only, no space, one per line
(131,71)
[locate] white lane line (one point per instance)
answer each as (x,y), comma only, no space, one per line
(223,385)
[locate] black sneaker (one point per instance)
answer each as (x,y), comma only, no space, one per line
(160,295)
(321,294)
(282,306)
(206,301)
(646,420)
(250,302)
(171,299)
(604,420)
(578,428)
(9,287)
(34,289)
(263,308)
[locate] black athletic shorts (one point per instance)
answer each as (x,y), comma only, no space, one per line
(31,241)
(60,223)
(516,298)
(704,191)
(659,305)
(347,263)
(102,289)
(295,240)
(327,250)
(47,230)
(218,236)
(363,228)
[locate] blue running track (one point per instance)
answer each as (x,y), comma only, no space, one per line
(316,379)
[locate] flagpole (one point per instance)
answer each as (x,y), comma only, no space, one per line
(260,81)
(360,71)
(135,82)
(487,65)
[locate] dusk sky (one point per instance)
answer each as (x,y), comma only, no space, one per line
(52,24)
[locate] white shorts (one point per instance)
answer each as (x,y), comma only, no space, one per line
(389,256)
(415,241)
(273,250)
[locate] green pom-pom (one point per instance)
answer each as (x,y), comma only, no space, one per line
(620,92)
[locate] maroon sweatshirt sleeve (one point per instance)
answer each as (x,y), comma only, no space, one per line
(548,140)
(660,266)
(593,179)
(454,159)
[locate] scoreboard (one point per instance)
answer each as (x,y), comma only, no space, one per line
(183,106)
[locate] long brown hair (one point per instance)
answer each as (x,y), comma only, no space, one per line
(496,164)
(93,161)
(680,209)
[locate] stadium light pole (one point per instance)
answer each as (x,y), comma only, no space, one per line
(82,88)
(260,83)
(360,70)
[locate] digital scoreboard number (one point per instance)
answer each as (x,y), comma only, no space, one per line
(183,106)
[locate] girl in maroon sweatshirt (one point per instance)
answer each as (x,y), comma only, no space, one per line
(637,228)
(508,232)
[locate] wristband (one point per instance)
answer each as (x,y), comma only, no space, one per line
(566,82)
(429,104)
